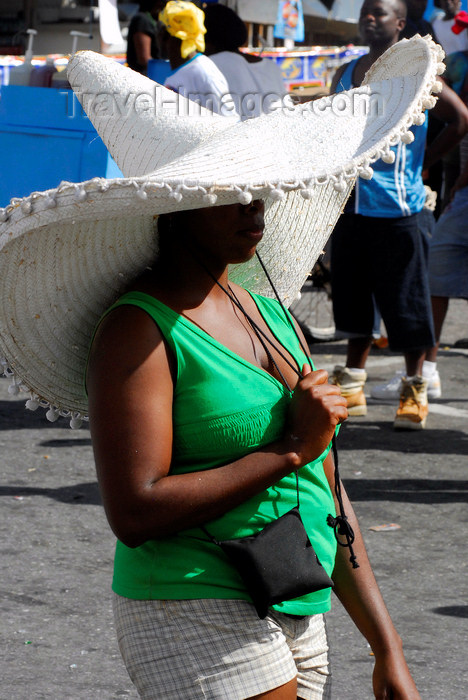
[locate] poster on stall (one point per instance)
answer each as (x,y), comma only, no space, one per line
(290,20)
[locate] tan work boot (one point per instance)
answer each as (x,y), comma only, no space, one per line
(351,385)
(413,409)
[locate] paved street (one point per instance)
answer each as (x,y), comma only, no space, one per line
(56,635)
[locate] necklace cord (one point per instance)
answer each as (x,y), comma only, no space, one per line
(255,327)
(339,523)
(262,341)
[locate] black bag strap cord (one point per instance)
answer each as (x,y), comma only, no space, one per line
(340,523)
(215,541)
(259,333)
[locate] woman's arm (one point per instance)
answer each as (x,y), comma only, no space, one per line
(130,389)
(359,593)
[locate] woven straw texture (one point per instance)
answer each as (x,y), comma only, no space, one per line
(67,254)
(143,124)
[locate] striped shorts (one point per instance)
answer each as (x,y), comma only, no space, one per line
(219,650)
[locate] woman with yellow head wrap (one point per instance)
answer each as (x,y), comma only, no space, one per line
(185,21)
(195,76)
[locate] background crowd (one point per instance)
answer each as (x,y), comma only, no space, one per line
(396,257)
(214,436)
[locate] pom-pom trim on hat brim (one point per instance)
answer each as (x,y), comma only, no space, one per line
(302,207)
(174,187)
(52,309)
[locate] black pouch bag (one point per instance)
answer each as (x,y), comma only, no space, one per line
(278,563)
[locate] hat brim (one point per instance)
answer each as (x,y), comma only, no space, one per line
(58,278)
(67,254)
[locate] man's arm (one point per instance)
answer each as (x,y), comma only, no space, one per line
(337,78)
(450,109)
(142,43)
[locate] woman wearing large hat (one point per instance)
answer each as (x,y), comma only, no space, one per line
(141,301)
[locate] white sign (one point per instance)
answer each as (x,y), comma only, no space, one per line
(260,11)
(109,26)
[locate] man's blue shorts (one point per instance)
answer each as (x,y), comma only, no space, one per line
(383,260)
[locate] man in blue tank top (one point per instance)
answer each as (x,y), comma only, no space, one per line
(379,247)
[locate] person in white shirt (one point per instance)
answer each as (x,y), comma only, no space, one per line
(194,76)
(255,83)
(442,26)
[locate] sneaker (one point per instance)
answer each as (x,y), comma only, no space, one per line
(434,387)
(390,391)
(351,385)
(413,409)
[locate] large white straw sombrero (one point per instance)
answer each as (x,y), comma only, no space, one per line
(67,254)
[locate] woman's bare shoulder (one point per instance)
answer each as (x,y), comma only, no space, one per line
(126,342)
(127,325)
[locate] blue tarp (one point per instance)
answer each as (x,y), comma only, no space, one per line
(45,138)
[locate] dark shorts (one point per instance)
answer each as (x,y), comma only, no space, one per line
(382,260)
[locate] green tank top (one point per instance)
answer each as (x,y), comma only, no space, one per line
(224,408)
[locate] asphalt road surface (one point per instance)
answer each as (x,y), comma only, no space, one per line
(56,632)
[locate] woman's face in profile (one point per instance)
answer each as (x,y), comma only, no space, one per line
(229,233)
